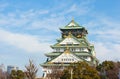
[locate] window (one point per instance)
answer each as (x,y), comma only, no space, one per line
(69,59)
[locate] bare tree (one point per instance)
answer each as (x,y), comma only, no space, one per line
(31,70)
(3,74)
(56,72)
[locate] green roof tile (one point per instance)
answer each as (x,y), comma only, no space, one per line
(72,25)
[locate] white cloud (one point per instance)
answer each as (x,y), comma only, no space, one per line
(110,35)
(103,27)
(27,43)
(106,36)
(3,57)
(75,10)
(48,23)
(101,49)
(33,19)
(107,51)
(21,18)
(32,13)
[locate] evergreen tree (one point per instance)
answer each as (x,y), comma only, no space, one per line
(80,70)
(108,70)
(19,74)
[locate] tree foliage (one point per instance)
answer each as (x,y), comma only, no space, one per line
(80,70)
(19,74)
(66,74)
(31,70)
(108,69)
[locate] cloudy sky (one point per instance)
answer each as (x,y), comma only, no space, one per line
(29,27)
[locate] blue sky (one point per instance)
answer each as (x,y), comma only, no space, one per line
(29,27)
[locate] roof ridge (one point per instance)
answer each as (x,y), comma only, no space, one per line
(72,23)
(67,51)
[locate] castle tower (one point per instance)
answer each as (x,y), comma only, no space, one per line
(73,46)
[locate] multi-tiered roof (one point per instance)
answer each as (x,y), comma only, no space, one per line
(73,46)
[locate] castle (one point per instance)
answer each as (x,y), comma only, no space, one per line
(73,46)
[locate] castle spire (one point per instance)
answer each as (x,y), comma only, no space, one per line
(73,19)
